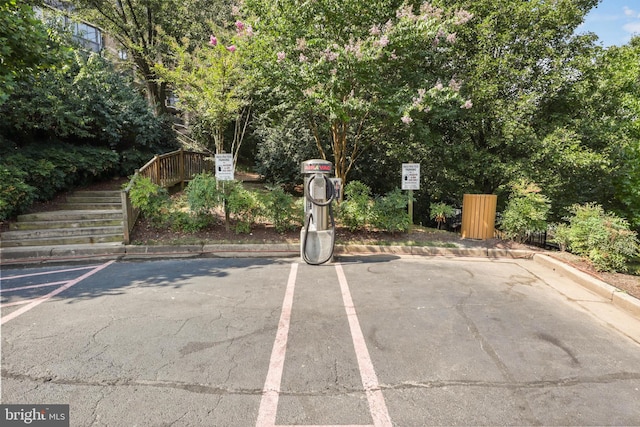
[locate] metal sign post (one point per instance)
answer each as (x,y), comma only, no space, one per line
(410,182)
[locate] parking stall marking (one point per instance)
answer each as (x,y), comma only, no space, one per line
(32,303)
(377,404)
(22,288)
(271,391)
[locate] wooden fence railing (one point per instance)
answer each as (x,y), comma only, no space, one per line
(166,171)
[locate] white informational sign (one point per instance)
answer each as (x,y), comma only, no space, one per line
(224,167)
(411,176)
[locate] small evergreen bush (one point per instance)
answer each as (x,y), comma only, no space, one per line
(526,212)
(601,236)
(244,206)
(280,208)
(151,199)
(203,195)
(356,209)
(390,212)
(15,194)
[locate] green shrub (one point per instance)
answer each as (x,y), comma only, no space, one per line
(203,194)
(181,218)
(38,172)
(280,209)
(15,194)
(526,212)
(390,212)
(440,211)
(602,237)
(244,206)
(560,234)
(152,200)
(355,211)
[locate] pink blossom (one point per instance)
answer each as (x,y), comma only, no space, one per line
(249,31)
(235,11)
(430,12)
(468,104)
(454,85)
(405,11)
(375,30)
(406,119)
(231,48)
(302,58)
(213,41)
(384,41)
(438,86)
(281,56)
(239,25)
(451,38)
(301,44)
(462,17)
(330,56)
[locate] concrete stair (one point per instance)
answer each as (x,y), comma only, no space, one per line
(87,217)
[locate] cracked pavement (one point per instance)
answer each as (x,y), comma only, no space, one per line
(453,341)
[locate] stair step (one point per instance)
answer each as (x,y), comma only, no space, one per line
(87,218)
(60,232)
(92,206)
(71,240)
(90,193)
(80,223)
(76,198)
(45,251)
(71,215)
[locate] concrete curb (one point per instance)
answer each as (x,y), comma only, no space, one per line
(614,295)
(58,254)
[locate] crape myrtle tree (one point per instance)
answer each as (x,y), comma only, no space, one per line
(140,25)
(212,85)
(349,68)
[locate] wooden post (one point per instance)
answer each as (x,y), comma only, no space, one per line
(181,169)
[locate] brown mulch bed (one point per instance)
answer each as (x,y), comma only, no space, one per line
(143,233)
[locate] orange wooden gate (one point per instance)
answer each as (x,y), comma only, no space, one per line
(478,216)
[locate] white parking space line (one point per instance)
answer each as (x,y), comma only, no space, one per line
(44,273)
(271,391)
(377,405)
(22,288)
(37,301)
(12,304)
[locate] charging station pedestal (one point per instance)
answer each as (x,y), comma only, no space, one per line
(317,236)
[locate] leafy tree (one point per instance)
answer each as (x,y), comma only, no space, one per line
(348,67)
(139,27)
(24,45)
(211,85)
(620,84)
(519,61)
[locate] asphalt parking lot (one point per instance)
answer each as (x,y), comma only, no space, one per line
(371,340)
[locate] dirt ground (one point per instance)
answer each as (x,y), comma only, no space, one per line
(144,234)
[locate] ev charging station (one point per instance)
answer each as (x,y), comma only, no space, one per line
(318,235)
